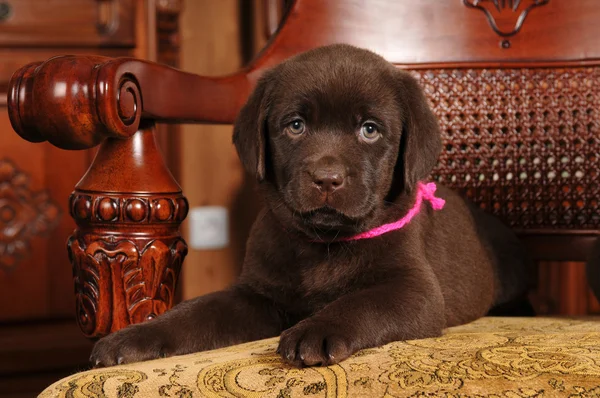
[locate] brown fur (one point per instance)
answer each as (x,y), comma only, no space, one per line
(329,299)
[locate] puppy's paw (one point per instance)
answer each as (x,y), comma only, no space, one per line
(315,343)
(132,344)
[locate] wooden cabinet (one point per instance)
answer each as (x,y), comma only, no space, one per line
(73,23)
(39,339)
(36,180)
(34,270)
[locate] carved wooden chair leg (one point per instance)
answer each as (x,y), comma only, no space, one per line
(127,250)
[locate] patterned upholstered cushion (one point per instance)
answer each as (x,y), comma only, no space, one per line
(492,357)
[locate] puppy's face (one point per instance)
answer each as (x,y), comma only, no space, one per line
(330,134)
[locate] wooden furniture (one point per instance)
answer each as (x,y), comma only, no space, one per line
(515,84)
(39,338)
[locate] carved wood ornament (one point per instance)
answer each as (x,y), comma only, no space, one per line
(119,281)
(23,214)
(127,277)
(127,251)
(513,11)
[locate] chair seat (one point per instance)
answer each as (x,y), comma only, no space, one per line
(491,357)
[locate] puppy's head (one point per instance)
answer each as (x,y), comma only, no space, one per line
(334,135)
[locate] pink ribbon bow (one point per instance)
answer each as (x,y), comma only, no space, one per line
(424,191)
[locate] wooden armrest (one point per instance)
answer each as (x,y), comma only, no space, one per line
(75,102)
(127,249)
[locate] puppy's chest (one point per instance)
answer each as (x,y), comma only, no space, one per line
(303,279)
(328,275)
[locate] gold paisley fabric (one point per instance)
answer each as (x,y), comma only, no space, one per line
(492,357)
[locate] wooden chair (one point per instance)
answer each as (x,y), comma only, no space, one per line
(515,85)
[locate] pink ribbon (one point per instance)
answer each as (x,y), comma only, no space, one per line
(424,191)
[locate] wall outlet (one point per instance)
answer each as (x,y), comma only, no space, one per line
(208,227)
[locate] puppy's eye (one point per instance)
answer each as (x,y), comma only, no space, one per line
(369,132)
(296,127)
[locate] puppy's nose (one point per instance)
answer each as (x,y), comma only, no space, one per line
(329,179)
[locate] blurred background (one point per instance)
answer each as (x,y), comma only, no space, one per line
(39,339)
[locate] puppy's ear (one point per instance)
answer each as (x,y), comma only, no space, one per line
(420,143)
(250,129)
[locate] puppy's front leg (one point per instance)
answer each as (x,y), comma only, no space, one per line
(216,320)
(407,307)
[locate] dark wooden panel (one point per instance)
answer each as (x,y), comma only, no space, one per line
(67,23)
(40,347)
(563,290)
(434,31)
(548,246)
(35,182)
(33,356)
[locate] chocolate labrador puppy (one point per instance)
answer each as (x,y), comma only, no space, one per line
(352,250)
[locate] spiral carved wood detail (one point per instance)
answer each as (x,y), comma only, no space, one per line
(86,99)
(522,143)
(123,280)
(76,102)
